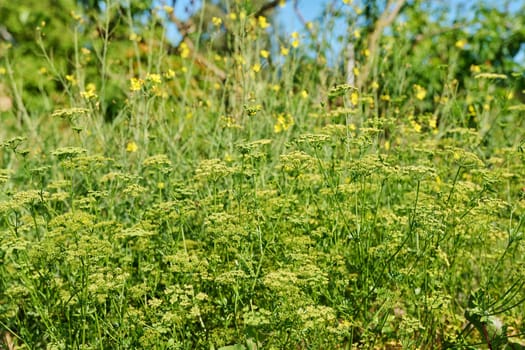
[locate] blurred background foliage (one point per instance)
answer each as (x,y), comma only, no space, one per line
(53,48)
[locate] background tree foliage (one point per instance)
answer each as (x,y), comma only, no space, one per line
(425,31)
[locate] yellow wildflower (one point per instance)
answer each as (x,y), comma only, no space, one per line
(295,41)
(282,3)
(184,50)
(228,158)
(285,51)
(134,37)
(421,92)
(263,23)
(438,181)
(159,92)
(304,94)
(256,68)
(432,122)
(90,92)
(474,68)
(354,98)
(217,21)
(154,78)
(71,78)
(169,74)
(233,16)
(460,44)
(416,126)
(136,84)
(132,147)
(252,110)
(283,123)
(265,54)
(471,110)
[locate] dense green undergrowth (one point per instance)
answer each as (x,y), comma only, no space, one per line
(278,209)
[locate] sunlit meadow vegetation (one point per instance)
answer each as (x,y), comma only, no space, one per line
(248,188)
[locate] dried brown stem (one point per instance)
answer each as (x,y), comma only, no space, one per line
(186,28)
(387,18)
(267,7)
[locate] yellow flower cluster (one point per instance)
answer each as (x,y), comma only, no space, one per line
(420,91)
(217,21)
(304,94)
(132,147)
(295,39)
(90,92)
(283,123)
(460,44)
(263,23)
(134,37)
(184,50)
(475,68)
(71,78)
(354,98)
(152,83)
(170,74)
(136,84)
(154,78)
